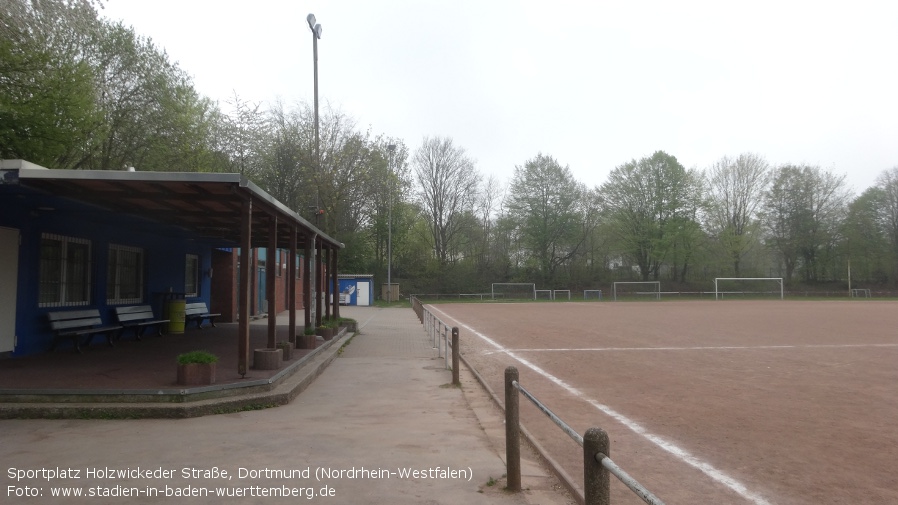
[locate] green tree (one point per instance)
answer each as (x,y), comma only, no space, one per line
(548,207)
(868,248)
(47,106)
(650,204)
(803,210)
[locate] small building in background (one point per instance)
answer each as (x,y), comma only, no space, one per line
(356,289)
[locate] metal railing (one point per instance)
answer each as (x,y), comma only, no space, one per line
(597,465)
(443,337)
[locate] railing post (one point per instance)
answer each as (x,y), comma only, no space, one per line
(596,479)
(512,431)
(455,380)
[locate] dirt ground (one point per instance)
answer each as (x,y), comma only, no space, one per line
(759,402)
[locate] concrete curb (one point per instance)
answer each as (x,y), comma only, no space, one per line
(285,388)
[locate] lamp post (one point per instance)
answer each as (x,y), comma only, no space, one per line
(390,148)
(316,34)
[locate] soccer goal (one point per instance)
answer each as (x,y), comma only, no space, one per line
(860,293)
(560,294)
(625,289)
(592,294)
(514,291)
(748,287)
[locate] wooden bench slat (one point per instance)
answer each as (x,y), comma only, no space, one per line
(79,323)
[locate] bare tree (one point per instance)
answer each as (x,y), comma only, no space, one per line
(736,191)
(448,184)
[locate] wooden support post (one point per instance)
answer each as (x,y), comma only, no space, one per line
(271,267)
(243,286)
(512,431)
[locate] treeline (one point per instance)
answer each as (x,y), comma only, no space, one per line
(80,92)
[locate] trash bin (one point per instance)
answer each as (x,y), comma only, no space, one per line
(175,314)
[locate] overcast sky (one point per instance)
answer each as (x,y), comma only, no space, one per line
(592,84)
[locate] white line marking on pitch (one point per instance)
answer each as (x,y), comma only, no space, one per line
(701,348)
(670,447)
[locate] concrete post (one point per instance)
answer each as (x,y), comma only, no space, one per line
(512,431)
(455,379)
(596,479)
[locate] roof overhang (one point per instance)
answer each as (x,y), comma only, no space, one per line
(209,205)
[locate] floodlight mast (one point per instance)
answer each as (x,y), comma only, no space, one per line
(391,148)
(316,34)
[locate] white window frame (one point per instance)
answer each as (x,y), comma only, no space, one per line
(61,298)
(114,297)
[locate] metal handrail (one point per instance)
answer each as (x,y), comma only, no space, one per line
(601,458)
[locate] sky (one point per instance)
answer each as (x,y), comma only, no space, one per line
(594,84)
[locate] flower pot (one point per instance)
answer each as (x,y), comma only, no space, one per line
(307,341)
(196,374)
(267,359)
(325,333)
(287,350)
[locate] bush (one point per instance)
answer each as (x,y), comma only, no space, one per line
(197,357)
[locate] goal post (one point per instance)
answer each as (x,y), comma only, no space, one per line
(639,288)
(592,294)
(559,293)
(513,290)
(751,285)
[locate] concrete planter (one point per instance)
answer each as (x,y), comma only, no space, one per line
(267,359)
(325,333)
(307,341)
(196,374)
(286,349)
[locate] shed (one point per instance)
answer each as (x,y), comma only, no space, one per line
(356,289)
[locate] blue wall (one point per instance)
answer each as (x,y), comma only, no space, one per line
(165,249)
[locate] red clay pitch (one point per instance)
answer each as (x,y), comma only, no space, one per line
(754,402)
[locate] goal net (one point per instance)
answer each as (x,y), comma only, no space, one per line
(592,294)
(543,294)
(748,287)
(561,294)
(513,291)
(636,289)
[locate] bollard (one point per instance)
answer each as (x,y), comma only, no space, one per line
(455,379)
(596,478)
(512,431)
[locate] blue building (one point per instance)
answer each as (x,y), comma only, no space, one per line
(356,289)
(74,239)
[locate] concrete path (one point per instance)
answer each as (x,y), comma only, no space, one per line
(380,425)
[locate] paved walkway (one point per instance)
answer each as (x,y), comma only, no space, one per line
(381,409)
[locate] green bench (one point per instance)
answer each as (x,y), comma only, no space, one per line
(138,318)
(75,324)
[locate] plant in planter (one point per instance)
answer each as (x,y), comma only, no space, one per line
(350,324)
(325,330)
(196,368)
(308,340)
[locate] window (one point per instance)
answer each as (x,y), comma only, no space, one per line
(192,276)
(124,280)
(64,275)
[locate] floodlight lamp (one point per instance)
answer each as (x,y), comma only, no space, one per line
(317,31)
(311,20)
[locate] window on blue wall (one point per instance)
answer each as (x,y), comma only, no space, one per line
(192,276)
(124,279)
(64,277)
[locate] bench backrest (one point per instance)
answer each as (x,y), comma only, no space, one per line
(70,319)
(133,313)
(192,309)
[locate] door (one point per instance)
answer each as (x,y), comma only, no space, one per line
(363,293)
(9,279)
